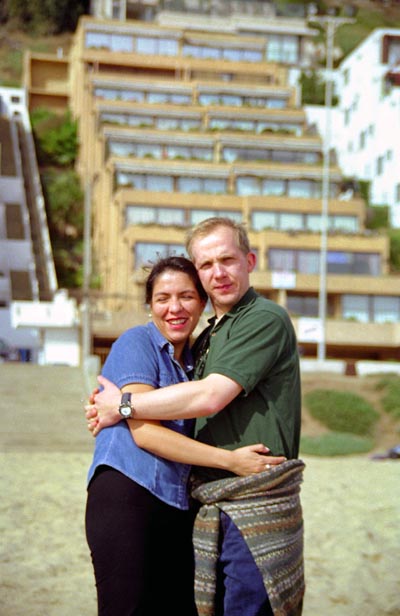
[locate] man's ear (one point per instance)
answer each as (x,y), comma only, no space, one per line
(251,261)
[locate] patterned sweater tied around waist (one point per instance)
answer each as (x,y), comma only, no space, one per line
(266,509)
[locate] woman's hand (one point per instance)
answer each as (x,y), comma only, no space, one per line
(102,410)
(253,459)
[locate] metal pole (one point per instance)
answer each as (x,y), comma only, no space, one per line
(87,270)
(330,23)
(322,298)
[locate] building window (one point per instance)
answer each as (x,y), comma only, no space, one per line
(106,94)
(209,99)
(232,154)
(119,148)
(276,103)
(202,185)
(355,308)
(391,50)
(156,46)
(248,186)
(286,221)
(187,153)
(347,224)
(147,215)
(198,51)
(397,193)
(275,188)
(385,309)
(147,253)
(302,189)
(264,220)
(371,308)
(289,221)
(233,54)
(302,305)
(113,42)
(379,165)
(307,262)
(156,183)
(281,260)
(197,216)
(283,48)
(313,222)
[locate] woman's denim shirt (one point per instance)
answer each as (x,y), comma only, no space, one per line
(143,355)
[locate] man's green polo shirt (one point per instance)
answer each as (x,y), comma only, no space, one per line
(255,345)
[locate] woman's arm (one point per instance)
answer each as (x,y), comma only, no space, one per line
(166,443)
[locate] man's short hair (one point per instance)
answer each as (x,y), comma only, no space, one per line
(207,226)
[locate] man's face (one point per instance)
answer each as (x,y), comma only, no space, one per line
(223,268)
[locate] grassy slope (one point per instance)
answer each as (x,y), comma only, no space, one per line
(387,432)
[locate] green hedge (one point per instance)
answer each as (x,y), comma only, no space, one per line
(342,411)
(335,444)
(391,395)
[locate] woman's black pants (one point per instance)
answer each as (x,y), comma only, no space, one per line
(141,549)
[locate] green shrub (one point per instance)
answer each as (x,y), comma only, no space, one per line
(56,138)
(378,217)
(313,89)
(335,444)
(64,201)
(391,395)
(394,237)
(341,411)
(64,205)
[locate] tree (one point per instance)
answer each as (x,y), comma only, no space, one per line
(313,89)
(64,203)
(46,16)
(394,235)
(56,137)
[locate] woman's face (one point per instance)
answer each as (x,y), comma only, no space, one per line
(176,307)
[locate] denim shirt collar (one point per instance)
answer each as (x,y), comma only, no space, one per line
(162,342)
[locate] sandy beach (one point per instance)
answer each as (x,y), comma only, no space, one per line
(351,511)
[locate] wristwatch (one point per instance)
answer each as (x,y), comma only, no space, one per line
(125,408)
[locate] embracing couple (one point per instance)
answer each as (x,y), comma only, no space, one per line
(199,445)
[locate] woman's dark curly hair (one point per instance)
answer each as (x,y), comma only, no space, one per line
(174,264)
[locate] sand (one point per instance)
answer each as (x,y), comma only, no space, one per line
(351,511)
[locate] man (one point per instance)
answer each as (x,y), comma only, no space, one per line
(247,390)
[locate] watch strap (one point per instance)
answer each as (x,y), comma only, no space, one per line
(126,398)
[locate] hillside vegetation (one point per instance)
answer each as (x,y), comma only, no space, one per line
(345,415)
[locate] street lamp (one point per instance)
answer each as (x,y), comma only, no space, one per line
(329,22)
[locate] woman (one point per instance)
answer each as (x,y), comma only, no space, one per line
(138,520)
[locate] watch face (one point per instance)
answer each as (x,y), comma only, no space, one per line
(125,410)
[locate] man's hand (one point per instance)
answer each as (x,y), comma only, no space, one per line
(103,408)
(253,459)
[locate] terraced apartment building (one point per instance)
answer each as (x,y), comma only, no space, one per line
(179,122)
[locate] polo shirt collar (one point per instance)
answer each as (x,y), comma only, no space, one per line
(246,299)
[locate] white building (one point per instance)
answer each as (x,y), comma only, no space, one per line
(365,128)
(58,328)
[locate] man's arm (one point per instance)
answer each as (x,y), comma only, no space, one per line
(180,401)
